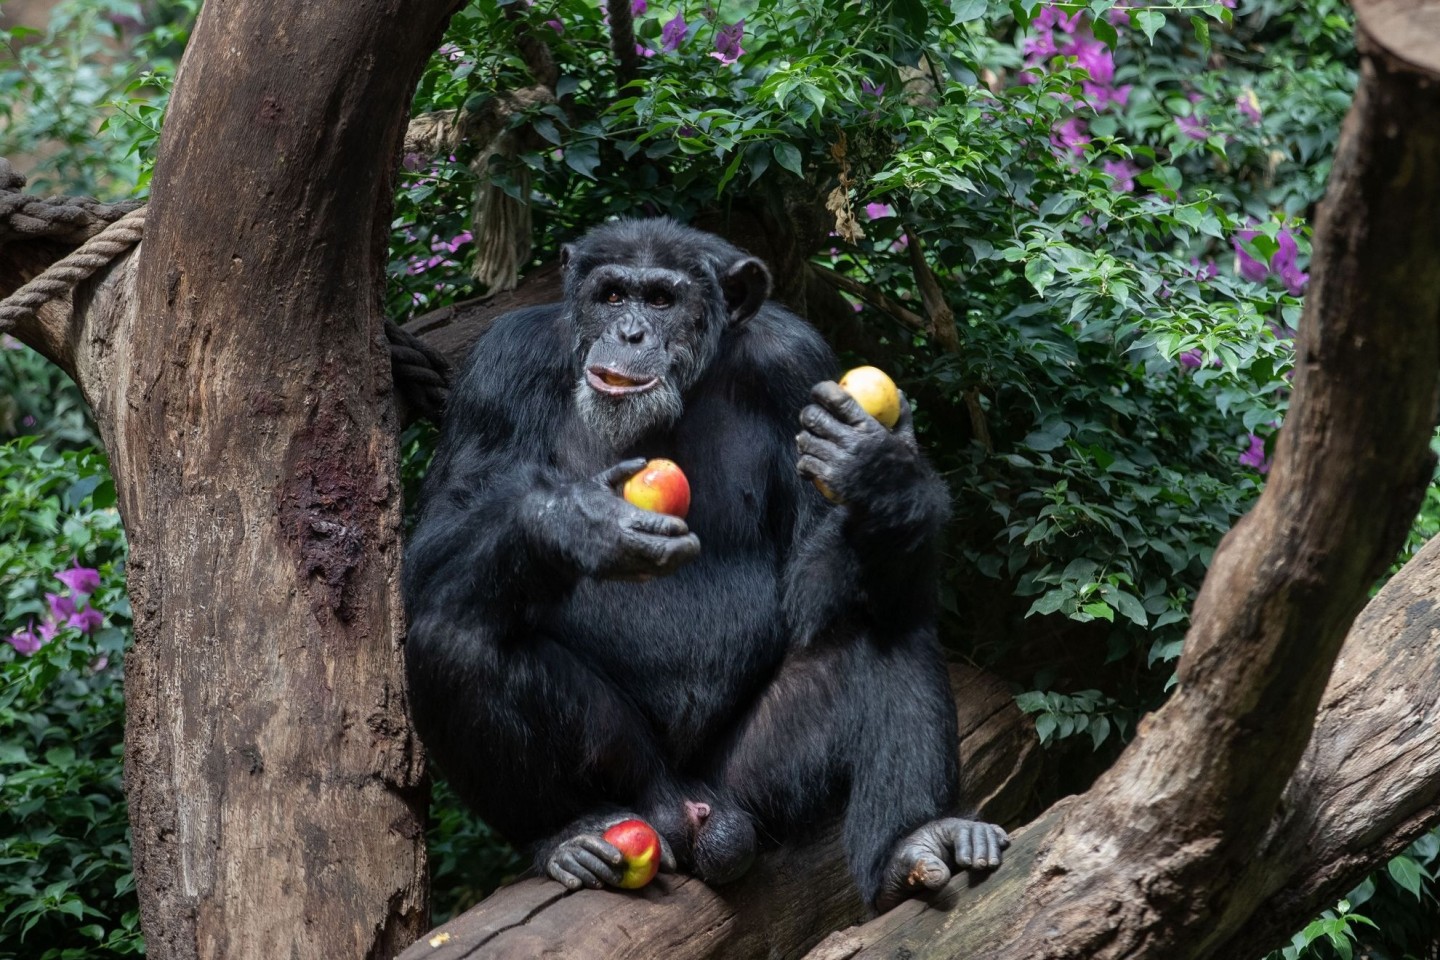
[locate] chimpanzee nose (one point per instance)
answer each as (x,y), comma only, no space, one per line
(631,332)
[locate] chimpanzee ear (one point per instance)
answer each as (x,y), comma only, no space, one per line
(567,252)
(746,285)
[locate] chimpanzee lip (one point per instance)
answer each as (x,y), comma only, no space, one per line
(614,383)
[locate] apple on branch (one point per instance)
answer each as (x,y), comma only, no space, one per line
(639,844)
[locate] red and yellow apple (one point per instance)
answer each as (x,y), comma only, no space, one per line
(659,486)
(875,392)
(639,844)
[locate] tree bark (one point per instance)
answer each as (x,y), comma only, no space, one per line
(242,386)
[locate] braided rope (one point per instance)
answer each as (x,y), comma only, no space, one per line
(62,275)
(66,219)
(422,374)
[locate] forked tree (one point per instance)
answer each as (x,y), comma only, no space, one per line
(238,370)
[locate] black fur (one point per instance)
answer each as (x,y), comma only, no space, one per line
(788,673)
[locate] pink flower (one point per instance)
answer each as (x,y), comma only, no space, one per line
(727,43)
(1193,127)
(1070,135)
(873,89)
(1254,455)
(673,33)
(637,7)
(25,642)
(874,211)
(643,51)
(557,26)
(86,619)
(1123,172)
(80,579)
(1192,359)
(1249,105)
(451,52)
(61,608)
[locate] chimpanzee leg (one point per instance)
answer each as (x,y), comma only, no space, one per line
(542,746)
(873,718)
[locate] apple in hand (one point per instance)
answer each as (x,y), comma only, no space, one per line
(659,486)
(639,844)
(875,392)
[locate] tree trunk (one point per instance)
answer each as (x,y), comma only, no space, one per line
(242,385)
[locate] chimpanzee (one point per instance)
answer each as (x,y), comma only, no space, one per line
(737,677)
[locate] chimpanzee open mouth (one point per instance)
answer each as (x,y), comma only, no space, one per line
(612,382)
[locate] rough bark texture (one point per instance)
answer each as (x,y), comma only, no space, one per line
(242,386)
(792,898)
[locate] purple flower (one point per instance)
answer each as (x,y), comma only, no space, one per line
(873,89)
(451,52)
(557,26)
(61,608)
(673,33)
(1193,359)
(637,7)
(1052,17)
(1094,56)
(1193,127)
(727,43)
(8,342)
(874,211)
(80,579)
(1070,135)
(86,619)
(1250,268)
(25,641)
(1254,455)
(412,161)
(1283,262)
(1123,171)
(1249,105)
(643,51)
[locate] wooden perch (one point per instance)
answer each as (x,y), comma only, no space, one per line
(785,904)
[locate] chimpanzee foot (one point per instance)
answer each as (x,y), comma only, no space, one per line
(723,841)
(585,859)
(928,857)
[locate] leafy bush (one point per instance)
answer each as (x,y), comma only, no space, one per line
(65,883)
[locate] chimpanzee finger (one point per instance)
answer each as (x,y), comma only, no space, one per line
(664,553)
(656,524)
(929,872)
(988,846)
(819,421)
(667,856)
(615,476)
(559,869)
(599,847)
(964,848)
(812,468)
(601,871)
(844,407)
(817,447)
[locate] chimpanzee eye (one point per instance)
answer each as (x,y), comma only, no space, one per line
(614,296)
(659,298)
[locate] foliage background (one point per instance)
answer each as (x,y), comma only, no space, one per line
(1114,203)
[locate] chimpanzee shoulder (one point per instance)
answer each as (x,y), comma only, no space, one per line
(774,360)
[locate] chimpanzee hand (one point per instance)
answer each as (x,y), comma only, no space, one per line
(851,452)
(924,860)
(589,526)
(585,859)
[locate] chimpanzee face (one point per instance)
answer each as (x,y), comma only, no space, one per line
(648,322)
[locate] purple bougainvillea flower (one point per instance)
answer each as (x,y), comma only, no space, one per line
(1070,135)
(1250,268)
(873,89)
(1193,127)
(637,7)
(727,43)
(25,641)
(1283,262)
(1249,105)
(80,579)
(1094,56)
(1124,173)
(556,25)
(1192,359)
(86,619)
(672,34)
(874,211)
(60,607)
(1254,455)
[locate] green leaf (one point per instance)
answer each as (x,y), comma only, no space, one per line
(1040,272)
(583,157)
(1104,32)
(1202,33)
(1045,726)
(788,157)
(1406,873)
(1149,21)
(963,11)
